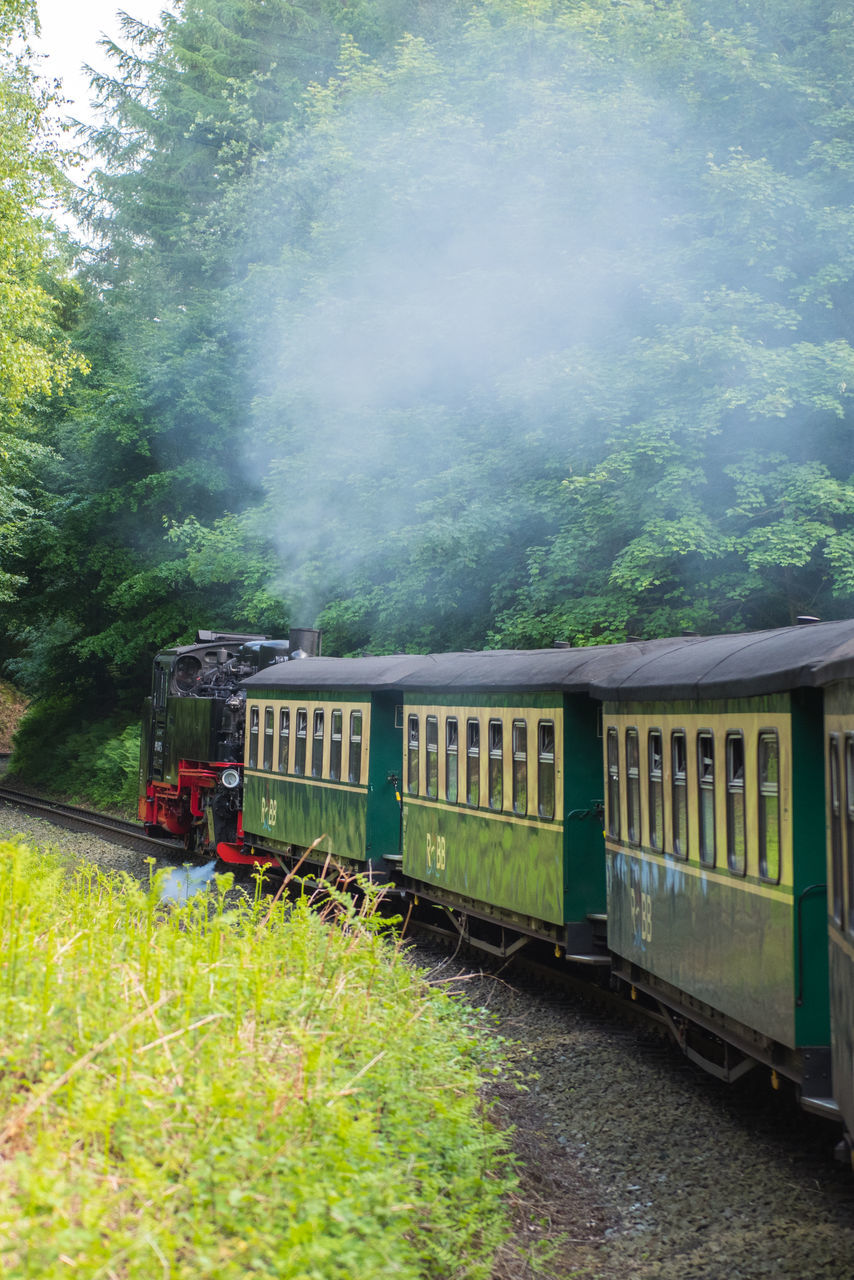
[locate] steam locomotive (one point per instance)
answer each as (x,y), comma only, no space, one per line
(192,742)
(677,814)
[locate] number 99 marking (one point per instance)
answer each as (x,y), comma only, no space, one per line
(435,852)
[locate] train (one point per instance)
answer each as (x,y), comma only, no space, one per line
(673,816)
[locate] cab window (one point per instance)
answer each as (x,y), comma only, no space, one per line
(161,687)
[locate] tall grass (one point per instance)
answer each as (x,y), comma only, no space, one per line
(226,1091)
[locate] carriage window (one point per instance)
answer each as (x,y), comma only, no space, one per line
(473,763)
(284,738)
(253,738)
(354,766)
(736,818)
(302,736)
(706,794)
(496,764)
(835,829)
(613,784)
(268,738)
(432,744)
(849,823)
(769,807)
(317,745)
(655,760)
(520,766)
(679,788)
(546,769)
(633,814)
(335,744)
(412,756)
(452,777)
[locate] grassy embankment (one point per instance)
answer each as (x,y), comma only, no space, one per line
(230,1091)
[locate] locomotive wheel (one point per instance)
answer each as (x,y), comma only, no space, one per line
(193,838)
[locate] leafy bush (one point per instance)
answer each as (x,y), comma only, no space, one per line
(231,1090)
(97,762)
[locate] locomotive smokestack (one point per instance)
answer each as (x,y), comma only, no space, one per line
(305,641)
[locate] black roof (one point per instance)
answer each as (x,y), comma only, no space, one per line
(528,670)
(522,670)
(336,673)
(686,667)
(729,666)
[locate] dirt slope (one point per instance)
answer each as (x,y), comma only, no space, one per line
(12,707)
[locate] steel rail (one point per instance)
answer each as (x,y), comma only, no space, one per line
(73,818)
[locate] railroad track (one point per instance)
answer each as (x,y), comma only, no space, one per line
(121,831)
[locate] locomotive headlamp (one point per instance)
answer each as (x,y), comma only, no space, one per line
(230,778)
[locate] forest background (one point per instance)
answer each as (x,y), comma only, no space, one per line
(433,323)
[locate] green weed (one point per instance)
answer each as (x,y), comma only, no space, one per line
(259,1089)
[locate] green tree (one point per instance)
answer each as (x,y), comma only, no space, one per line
(531,310)
(151,445)
(36,359)
(520,320)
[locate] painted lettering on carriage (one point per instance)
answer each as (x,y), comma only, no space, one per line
(642,914)
(435,852)
(268,814)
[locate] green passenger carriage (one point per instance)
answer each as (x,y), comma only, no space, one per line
(502,796)
(715,847)
(837,676)
(322,760)
(479,784)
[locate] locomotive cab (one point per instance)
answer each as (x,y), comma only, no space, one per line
(191,752)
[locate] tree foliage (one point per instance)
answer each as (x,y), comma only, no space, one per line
(440,324)
(36,360)
(561,346)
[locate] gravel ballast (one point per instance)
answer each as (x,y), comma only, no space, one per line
(636,1166)
(652,1170)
